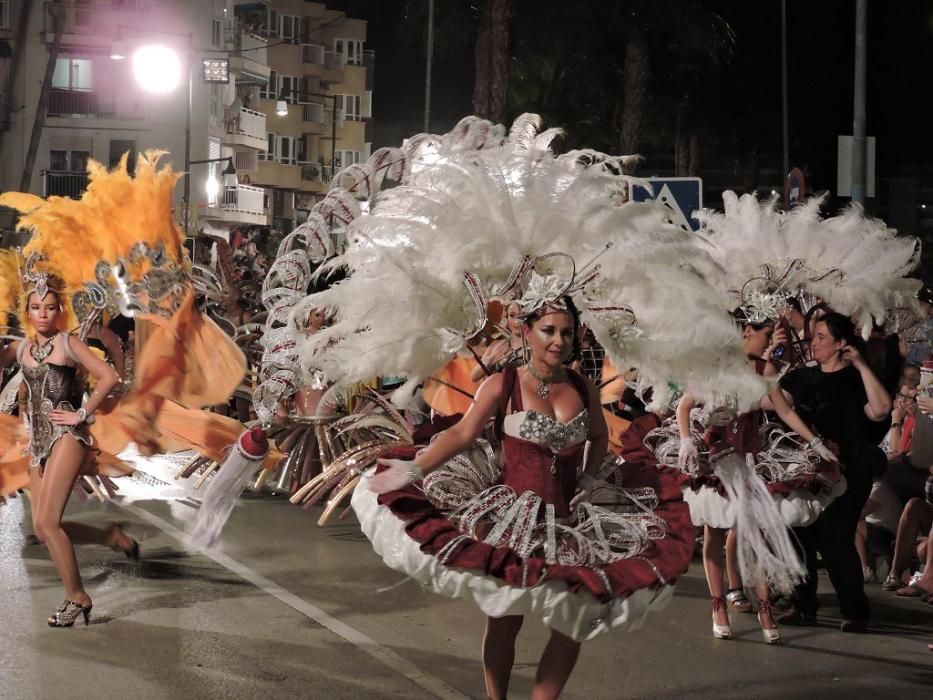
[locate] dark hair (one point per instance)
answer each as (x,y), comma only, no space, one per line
(840,327)
(575,350)
(794,303)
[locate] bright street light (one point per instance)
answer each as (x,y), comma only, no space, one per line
(281,108)
(157,68)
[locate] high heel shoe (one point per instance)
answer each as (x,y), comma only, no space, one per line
(736,598)
(771,634)
(66,614)
(720,631)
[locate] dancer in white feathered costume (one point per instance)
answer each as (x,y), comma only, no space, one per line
(521,524)
(763,257)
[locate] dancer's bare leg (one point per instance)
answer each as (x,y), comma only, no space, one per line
(916,518)
(732,561)
(556,664)
(714,539)
(499,653)
(48,504)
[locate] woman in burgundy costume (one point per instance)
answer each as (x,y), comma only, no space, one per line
(527,539)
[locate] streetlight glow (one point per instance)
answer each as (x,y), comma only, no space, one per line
(156,68)
(281,108)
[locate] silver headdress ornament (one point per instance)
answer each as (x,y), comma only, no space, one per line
(546,285)
(764,298)
(36,280)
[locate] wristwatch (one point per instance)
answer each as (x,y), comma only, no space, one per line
(896,425)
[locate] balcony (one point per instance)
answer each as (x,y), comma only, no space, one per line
(63,183)
(312,54)
(313,113)
(249,62)
(91,103)
(89,24)
(243,204)
(247,128)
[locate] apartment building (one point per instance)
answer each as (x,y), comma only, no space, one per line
(323,74)
(100,107)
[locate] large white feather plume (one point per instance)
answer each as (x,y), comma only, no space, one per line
(855,264)
(466,213)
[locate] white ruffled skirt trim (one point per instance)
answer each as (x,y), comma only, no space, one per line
(799,509)
(578,615)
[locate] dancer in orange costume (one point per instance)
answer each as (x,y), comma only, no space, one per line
(117,250)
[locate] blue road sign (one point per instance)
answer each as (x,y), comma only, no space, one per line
(682,195)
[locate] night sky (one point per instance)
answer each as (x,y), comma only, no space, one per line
(821,57)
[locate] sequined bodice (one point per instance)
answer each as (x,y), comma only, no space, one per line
(50,386)
(52,383)
(547,431)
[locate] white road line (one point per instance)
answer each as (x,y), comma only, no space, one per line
(365,643)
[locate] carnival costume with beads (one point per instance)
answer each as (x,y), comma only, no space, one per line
(117,250)
(762,257)
(481,215)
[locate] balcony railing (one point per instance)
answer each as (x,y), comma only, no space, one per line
(93,18)
(313,54)
(334,59)
(246,161)
(369,62)
(90,103)
(244,198)
(315,172)
(249,45)
(313,113)
(63,183)
(248,123)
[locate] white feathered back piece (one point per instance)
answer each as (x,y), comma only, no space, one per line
(855,264)
(474,213)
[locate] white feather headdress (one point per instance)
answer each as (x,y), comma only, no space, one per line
(469,221)
(855,264)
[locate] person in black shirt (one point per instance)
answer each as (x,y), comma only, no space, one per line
(846,404)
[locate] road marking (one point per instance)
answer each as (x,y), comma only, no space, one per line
(365,643)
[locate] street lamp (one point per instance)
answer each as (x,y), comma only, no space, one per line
(281,108)
(156,78)
(230,178)
(156,68)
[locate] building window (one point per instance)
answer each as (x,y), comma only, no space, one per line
(4,13)
(352,50)
(271,143)
(269,91)
(350,105)
(347,158)
(271,27)
(69,161)
(288,154)
(73,74)
(217,33)
(290,88)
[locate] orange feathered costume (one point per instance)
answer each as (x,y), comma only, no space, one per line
(184,361)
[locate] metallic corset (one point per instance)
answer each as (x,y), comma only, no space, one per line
(50,386)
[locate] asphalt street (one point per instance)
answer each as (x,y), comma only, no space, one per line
(283,608)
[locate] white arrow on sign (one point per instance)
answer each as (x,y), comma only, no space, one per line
(677,217)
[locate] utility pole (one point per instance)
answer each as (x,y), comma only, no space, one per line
(859,143)
(427,68)
(784,121)
(58,19)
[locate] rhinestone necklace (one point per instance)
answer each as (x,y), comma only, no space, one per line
(544,383)
(40,352)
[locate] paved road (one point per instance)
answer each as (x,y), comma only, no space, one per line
(282,608)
